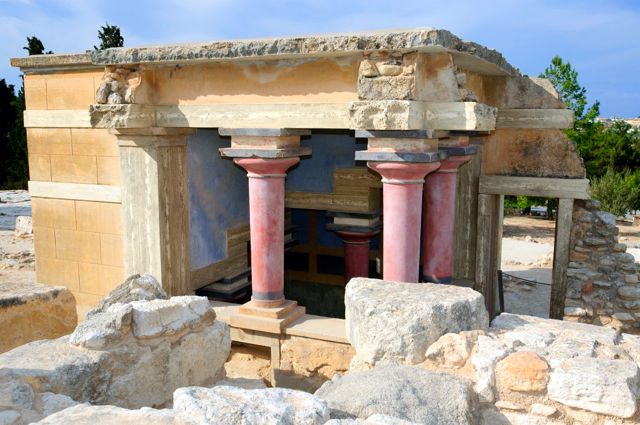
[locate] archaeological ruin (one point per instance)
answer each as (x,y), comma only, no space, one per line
(307,230)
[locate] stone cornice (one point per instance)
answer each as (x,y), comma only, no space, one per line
(470,55)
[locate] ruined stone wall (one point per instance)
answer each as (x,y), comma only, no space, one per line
(32,312)
(603,287)
(78,240)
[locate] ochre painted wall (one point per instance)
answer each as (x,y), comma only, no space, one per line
(78,243)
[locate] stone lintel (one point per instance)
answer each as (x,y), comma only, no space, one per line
(264,132)
(402,134)
(386,156)
(265,153)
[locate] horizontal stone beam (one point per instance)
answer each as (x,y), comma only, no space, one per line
(75,191)
(535,186)
(534,118)
(370,115)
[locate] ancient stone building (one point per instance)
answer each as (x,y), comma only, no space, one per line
(382,154)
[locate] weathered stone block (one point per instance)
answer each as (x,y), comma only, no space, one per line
(397,322)
(523,371)
(598,385)
(405,392)
(231,405)
(166,317)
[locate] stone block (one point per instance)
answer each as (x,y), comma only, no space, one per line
(54,213)
(452,350)
(74,169)
(99,217)
(523,371)
(108,170)
(397,322)
(86,414)
(35,92)
(57,272)
(134,288)
(78,246)
(40,167)
(44,242)
(228,405)
(402,392)
(167,317)
(70,91)
(94,142)
(101,331)
(24,225)
(49,141)
(98,279)
(598,385)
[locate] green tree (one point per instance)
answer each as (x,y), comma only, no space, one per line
(35,47)
(618,193)
(13,146)
(109,36)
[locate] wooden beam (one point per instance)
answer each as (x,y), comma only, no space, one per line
(488,248)
(75,191)
(561,258)
(534,118)
(535,186)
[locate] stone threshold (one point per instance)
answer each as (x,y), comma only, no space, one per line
(307,325)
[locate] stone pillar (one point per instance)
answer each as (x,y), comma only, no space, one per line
(266,155)
(439,213)
(356,231)
(403,159)
(155,205)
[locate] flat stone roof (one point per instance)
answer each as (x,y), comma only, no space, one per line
(469,55)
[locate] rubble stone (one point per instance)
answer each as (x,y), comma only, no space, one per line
(135,288)
(522,371)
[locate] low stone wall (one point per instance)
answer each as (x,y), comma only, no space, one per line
(130,355)
(29,312)
(603,284)
(521,369)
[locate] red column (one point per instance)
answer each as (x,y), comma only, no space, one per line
(266,210)
(402,187)
(356,253)
(439,219)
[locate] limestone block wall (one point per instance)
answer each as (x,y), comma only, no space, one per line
(603,285)
(77,230)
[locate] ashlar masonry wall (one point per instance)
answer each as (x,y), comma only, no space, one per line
(78,238)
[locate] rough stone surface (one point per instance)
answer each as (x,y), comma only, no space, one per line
(104,361)
(411,40)
(522,371)
(311,362)
(397,322)
(24,225)
(405,392)
(232,405)
(597,385)
(601,263)
(20,404)
(85,414)
(134,288)
(29,312)
(453,350)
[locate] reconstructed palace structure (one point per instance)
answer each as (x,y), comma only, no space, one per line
(305,160)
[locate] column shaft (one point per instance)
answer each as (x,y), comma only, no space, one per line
(402,187)
(266,209)
(439,221)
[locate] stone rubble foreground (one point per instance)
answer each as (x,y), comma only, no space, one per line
(445,366)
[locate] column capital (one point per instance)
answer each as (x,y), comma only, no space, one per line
(403,172)
(266,168)
(267,143)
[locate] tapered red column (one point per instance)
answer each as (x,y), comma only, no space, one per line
(439,216)
(266,210)
(402,186)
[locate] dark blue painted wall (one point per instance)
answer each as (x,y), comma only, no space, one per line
(218,197)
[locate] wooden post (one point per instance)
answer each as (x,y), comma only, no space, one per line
(155,205)
(465,234)
(561,258)
(488,247)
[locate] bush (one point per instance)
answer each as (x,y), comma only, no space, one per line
(619,192)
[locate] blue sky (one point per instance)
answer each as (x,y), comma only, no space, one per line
(600,38)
